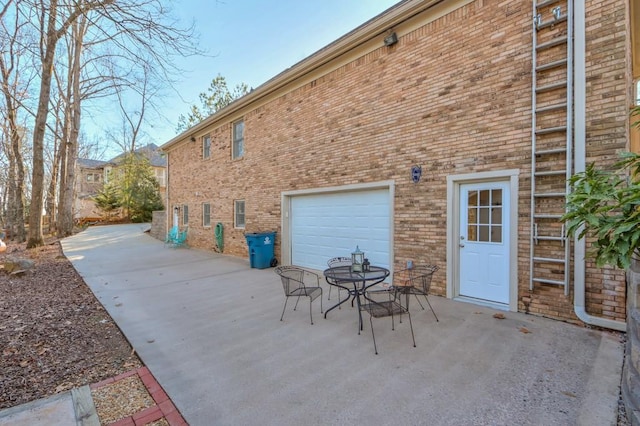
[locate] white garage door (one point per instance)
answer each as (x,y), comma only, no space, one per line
(329,225)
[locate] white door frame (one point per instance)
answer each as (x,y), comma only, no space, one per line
(453,230)
(285,242)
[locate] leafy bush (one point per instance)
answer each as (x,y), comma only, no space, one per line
(606,205)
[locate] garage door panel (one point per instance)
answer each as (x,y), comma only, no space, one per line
(329,225)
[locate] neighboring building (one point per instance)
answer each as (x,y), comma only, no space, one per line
(411,137)
(92,174)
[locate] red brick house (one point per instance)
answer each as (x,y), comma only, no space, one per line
(415,137)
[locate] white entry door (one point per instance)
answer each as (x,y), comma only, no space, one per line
(484,241)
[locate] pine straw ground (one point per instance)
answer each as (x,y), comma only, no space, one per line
(54,334)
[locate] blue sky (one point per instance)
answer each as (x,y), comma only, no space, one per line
(251,41)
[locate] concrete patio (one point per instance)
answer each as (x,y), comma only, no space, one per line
(208,328)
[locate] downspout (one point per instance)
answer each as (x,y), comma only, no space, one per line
(580,93)
(168,207)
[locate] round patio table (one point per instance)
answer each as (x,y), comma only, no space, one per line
(356,283)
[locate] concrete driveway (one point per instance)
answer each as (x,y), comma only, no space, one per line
(208,327)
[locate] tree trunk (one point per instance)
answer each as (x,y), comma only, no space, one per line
(37,177)
(17,228)
(62,212)
(51,204)
(15,184)
(15,211)
(73,124)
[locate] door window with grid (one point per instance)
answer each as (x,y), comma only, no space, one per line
(484,216)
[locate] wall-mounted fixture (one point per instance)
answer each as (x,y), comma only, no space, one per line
(193,138)
(391,39)
(416,173)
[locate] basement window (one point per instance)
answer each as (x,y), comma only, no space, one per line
(185,215)
(238,220)
(206,215)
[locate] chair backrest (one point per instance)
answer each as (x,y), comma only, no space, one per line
(292,278)
(420,277)
(339,261)
(173,233)
(182,236)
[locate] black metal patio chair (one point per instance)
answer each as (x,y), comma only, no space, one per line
(380,304)
(298,282)
(334,262)
(416,281)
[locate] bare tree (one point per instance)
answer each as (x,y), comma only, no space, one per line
(71,128)
(53,25)
(14,92)
(140,30)
(133,118)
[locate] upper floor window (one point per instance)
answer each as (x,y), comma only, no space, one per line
(185,214)
(160,177)
(238,220)
(238,139)
(206,214)
(93,177)
(206,146)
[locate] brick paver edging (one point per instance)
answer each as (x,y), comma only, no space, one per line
(164,407)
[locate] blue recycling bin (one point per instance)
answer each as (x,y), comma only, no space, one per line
(261,249)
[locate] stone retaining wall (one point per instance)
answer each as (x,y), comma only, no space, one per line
(631,371)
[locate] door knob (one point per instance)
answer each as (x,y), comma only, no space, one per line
(461,245)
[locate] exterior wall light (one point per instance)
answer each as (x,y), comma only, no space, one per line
(391,39)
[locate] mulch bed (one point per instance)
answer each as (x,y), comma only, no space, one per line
(54,334)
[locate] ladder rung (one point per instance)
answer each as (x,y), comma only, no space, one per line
(548,281)
(551,23)
(547,216)
(548,259)
(552,86)
(551,43)
(548,108)
(551,151)
(550,194)
(546,3)
(548,130)
(550,65)
(551,173)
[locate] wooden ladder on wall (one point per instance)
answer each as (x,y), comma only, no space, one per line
(551,141)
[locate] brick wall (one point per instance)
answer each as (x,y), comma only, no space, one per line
(454,96)
(159,225)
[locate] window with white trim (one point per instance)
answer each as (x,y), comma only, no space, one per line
(160,176)
(238,139)
(206,146)
(206,215)
(238,215)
